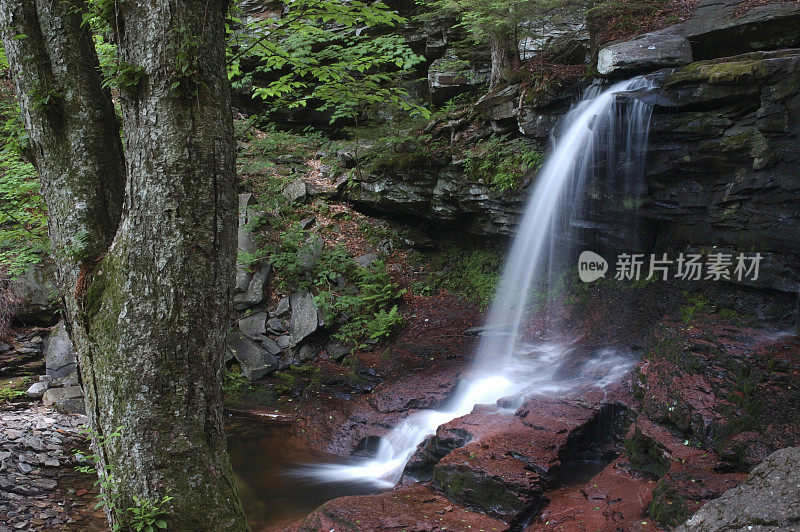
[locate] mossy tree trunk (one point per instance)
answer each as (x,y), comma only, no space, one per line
(144,236)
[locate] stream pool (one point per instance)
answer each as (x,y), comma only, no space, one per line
(266,465)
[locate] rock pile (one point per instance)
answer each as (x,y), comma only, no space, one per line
(35,452)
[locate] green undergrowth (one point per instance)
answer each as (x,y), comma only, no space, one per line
(668,508)
(23,214)
(13,389)
(471,273)
(504,165)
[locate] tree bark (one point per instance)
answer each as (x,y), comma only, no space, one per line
(503,49)
(144,238)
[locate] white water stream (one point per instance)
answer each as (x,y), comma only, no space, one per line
(507,365)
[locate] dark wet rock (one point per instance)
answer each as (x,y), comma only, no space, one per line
(768,501)
(23,354)
(645,53)
(721,28)
(410,508)
(254,360)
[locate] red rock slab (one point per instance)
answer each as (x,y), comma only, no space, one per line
(424,390)
(612,500)
(511,459)
(408,508)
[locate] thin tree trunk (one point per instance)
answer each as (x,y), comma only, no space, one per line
(145,241)
(503,48)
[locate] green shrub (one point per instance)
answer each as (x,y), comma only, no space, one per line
(366,310)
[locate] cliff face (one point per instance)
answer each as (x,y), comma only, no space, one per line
(722,160)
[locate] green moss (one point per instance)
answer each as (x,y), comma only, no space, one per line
(645,455)
(483,491)
(668,508)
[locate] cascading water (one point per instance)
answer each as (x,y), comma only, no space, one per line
(508,364)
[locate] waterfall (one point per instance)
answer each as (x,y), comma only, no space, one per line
(509,363)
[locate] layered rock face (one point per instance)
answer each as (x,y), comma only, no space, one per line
(724,156)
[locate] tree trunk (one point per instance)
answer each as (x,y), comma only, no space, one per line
(144,240)
(503,48)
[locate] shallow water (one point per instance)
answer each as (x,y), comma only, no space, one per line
(265,463)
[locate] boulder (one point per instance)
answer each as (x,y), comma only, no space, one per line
(254,360)
(250,277)
(768,501)
(60,358)
(37,389)
(309,255)
(722,28)
(281,309)
(68,400)
(35,296)
(254,325)
(650,51)
(304,321)
(295,192)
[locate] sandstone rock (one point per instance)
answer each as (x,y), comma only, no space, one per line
(721,28)
(647,52)
(304,321)
(768,501)
(413,507)
(253,359)
(60,358)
